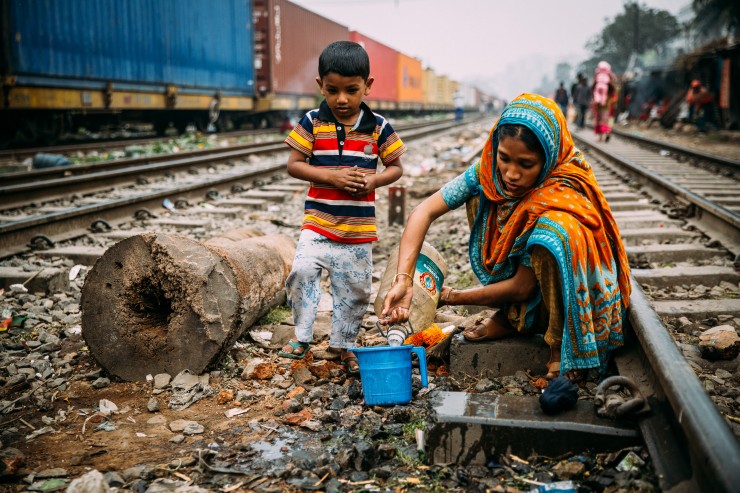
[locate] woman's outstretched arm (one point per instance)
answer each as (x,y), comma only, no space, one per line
(398,300)
(522,286)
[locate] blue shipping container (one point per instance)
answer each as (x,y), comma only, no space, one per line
(200,44)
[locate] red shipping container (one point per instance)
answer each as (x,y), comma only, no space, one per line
(288,42)
(383,67)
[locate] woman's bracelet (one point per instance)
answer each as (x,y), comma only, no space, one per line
(446,298)
(395,278)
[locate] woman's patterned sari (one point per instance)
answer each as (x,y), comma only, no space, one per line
(567,214)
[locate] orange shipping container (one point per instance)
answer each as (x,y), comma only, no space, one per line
(409,82)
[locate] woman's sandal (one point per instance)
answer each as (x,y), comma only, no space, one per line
(349,360)
(488,329)
(303,346)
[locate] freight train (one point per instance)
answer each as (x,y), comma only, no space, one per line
(66,64)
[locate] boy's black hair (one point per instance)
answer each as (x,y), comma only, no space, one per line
(345,58)
(526,135)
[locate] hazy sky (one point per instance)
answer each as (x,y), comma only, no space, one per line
(510,44)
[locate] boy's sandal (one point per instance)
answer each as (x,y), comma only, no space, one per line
(351,364)
(303,346)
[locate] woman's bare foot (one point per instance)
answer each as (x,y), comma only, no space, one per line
(553,364)
(489,329)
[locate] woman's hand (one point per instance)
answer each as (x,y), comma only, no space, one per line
(444,296)
(397,303)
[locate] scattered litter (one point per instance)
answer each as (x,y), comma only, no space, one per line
(557,487)
(107,407)
(236,411)
(106,426)
(141,435)
(169,205)
(630,462)
(40,431)
(187,389)
(74,271)
(74,330)
(664,153)
(18,288)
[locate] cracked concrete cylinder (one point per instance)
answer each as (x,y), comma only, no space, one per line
(157,303)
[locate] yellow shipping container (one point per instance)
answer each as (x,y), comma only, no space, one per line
(429,87)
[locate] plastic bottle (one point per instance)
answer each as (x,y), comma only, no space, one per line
(428,277)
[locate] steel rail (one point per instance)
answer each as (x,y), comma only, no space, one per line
(713,450)
(19,177)
(718,220)
(76,221)
(62,225)
(704,156)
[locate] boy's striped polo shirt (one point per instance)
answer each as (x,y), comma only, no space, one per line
(330,211)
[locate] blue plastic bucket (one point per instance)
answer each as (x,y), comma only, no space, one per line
(385,372)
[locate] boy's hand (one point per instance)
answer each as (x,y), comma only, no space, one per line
(350,180)
(369,187)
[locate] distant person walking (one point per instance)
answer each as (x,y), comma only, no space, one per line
(582,100)
(561,97)
(604,98)
(699,99)
(459,101)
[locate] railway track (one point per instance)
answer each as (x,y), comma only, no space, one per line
(672,250)
(680,223)
(41,212)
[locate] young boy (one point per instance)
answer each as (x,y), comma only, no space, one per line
(336,148)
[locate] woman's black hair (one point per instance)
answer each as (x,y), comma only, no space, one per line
(345,58)
(526,135)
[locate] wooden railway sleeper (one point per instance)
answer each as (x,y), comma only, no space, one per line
(614,405)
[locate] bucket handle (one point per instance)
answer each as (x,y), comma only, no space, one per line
(379,325)
(422,355)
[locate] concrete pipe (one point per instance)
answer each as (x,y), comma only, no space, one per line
(157,303)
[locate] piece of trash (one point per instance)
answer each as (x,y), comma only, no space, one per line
(556,487)
(40,431)
(106,426)
(7,313)
(664,153)
(107,407)
(18,288)
(74,272)
(141,435)
(169,205)
(273,208)
(4,324)
(630,462)
(236,411)
(74,330)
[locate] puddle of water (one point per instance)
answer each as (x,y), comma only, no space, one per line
(271,451)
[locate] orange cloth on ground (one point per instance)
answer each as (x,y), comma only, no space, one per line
(427,337)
